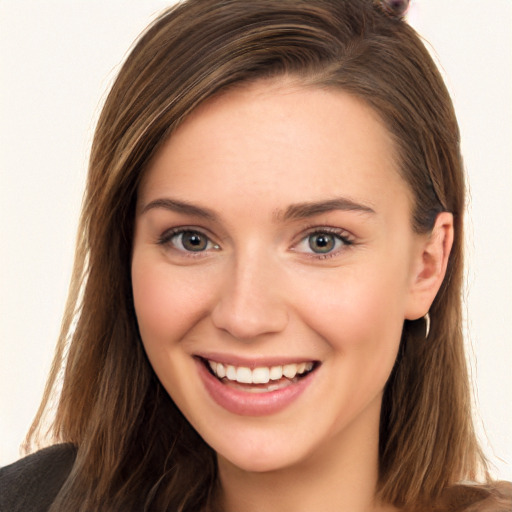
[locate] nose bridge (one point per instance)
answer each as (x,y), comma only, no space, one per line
(251,302)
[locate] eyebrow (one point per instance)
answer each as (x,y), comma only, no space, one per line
(180,207)
(293,212)
(310,209)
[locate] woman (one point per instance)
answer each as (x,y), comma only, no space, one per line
(267,283)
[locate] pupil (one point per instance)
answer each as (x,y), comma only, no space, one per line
(321,243)
(194,241)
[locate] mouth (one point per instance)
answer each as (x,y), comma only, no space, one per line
(260,379)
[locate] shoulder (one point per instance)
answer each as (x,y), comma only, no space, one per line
(495,497)
(31,484)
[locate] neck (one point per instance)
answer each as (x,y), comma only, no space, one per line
(341,475)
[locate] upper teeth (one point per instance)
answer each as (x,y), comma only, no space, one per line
(260,375)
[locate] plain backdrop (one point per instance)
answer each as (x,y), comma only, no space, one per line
(57,59)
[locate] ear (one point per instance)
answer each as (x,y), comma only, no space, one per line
(430,267)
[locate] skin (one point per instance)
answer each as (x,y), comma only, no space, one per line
(260,290)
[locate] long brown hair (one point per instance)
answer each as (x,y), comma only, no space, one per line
(135,449)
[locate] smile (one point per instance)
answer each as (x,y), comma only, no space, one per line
(261,374)
(258,390)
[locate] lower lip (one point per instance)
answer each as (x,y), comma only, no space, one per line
(246,403)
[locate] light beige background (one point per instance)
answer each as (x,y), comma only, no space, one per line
(57,59)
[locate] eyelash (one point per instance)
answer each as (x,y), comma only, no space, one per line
(342,236)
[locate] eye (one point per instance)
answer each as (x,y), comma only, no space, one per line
(323,242)
(188,240)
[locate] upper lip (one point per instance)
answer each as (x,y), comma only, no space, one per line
(254,362)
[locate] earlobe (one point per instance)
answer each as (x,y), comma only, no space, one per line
(431,266)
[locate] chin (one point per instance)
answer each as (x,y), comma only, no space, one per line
(260,462)
(263,451)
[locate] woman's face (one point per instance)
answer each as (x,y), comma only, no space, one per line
(273,236)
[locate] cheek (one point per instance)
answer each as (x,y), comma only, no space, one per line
(360,316)
(366,301)
(166,303)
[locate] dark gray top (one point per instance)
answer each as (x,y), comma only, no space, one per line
(32,483)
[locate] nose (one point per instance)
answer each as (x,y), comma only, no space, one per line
(251,301)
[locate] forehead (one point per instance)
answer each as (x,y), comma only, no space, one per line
(279,140)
